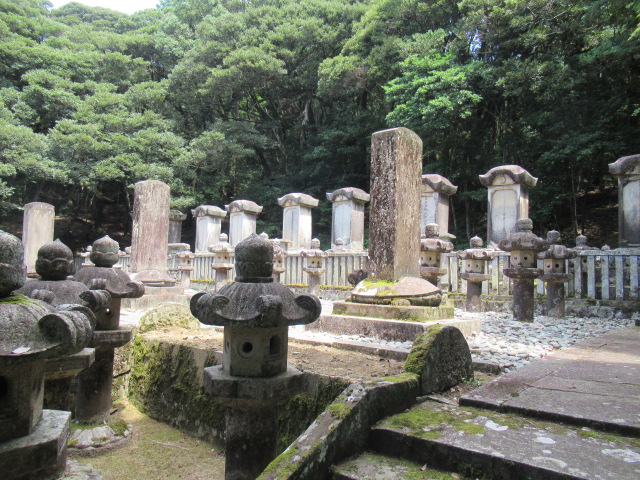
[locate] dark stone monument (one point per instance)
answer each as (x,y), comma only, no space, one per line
(255,312)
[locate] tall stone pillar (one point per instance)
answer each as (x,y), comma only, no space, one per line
(347,217)
(296,219)
(208,225)
(37,230)
(176,217)
(149,239)
(435,193)
(394,226)
(627,171)
(508,200)
(242,220)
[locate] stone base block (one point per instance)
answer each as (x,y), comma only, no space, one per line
(393,312)
(69,366)
(156,295)
(40,455)
(391,330)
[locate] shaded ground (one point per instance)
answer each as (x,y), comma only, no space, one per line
(157,452)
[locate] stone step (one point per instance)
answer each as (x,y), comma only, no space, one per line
(372,466)
(475,442)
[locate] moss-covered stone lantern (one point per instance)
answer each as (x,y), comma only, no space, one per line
(523,246)
(555,273)
(256,313)
(475,272)
(32,440)
(314,265)
(222,264)
(431,249)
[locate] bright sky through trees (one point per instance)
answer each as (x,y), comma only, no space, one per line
(126,6)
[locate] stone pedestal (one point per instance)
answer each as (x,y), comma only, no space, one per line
(243,215)
(627,171)
(222,265)
(296,219)
(435,193)
(508,200)
(150,233)
(208,225)
(185,267)
(523,246)
(347,217)
(37,230)
(176,217)
(394,226)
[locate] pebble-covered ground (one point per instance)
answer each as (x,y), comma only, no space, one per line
(502,340)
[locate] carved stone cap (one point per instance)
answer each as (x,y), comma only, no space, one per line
(254,260)
(515,172)
(177,216)
(439,184)
(208,211)
(13,271)
(55,261)
(475,242)
(559,252)
(476,252)
(314,251)
(105,252)
(295,199)
(243,206)
(523,238)
(629,165)
(350,193)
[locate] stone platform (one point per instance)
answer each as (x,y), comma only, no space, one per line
(595,383)
(391,330)
(394,312)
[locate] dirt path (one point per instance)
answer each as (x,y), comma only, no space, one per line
(157,452)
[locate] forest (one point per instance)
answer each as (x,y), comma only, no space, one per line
(253,99)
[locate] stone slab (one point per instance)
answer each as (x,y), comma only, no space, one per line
(392,330)
(594,383)
(40,455)
(447,437)
(69,366)
(111,338)
(370,466)
(392,312)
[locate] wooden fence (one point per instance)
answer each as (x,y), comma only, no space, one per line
(598,274)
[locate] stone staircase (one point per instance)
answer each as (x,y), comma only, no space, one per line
(444,441)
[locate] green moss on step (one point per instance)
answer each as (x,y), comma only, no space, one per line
(339,410)
(402,377)
(417,357)
(283,464)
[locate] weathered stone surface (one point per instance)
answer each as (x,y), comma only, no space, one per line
(13,272)
(208,225)
(394,226)
(37,230)
(150,231)
(296,219)
(405,291)
(176,217)
(41,454)
(627,171)
(441,357)
(347,217)
(435,192)
(243,215)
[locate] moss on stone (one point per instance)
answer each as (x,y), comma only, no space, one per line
(283,464)
(18,300)
(609,437)
(417,357)
(339,410)
(401,377)
(168,315)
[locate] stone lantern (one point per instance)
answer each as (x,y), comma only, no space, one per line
(314,265)
(93,402)
(185,267)
(255,313)
(222,265)
(475,272)
(54,264)
(279,256)
(33,441)
(86,262)
(555,273)
(431,250)
(523,246)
